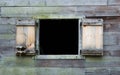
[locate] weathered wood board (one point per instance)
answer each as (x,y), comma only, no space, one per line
(51,2)
(25,36)
(92,36)
(113,2)
(46,12)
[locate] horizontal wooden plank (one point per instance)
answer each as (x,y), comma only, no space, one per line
(110,39)
(34,11)
(102,64)
(22,2)
(12,42)
(60,16)
(58,57)
(7,50)
(63,63)
(51,2)
(7,36)
(103,59)
(116,37)
(97,69)
(45,12)
(112,19)
(99,72)
(99,10)
(115,53)
(7,21)
(7,29)
(25,22)
(112,47)
(113,2)
(4,43)
(93,22)
(19,70)
(75,2)
(112,26)
(85,52)
(112,42)
(7,43)
(60,71)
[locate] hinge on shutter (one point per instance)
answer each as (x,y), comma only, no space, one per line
(92,37)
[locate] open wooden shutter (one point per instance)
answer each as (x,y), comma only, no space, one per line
(25,34)
(92,37)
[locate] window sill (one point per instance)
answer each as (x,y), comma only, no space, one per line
(59,57)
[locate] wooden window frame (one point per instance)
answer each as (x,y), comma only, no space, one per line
(77,56)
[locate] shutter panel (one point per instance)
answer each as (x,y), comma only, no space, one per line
(92,37)
(25,35)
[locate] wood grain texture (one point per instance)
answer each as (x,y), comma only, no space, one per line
(51,2)
(25,36)
(75,2)
(7,21)
(34,11)
(113,2)
(25,22)
(7,36)
(98,10)
(7,29)
(31,37)
(92,36)
(22,2)
(47,11)
(20,36)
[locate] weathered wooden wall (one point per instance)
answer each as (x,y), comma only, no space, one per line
(31,8)
(109,63)
(108,10)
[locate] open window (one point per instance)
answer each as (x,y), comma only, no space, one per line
(69,37)
(59,36)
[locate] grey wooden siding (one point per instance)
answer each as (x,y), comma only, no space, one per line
(31,8)
(51,2)
(108,10)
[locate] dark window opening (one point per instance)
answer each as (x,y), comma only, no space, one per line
(58,36)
